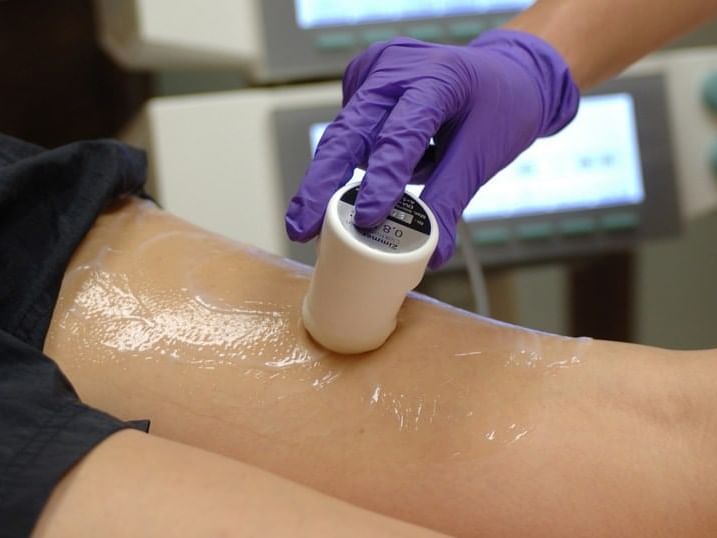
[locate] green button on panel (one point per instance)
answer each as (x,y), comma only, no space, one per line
(466,30)
(535,230)
(425,32)
(373,35)
(335,41)
(617,222)
(709,92)
(492,236)
(577,226)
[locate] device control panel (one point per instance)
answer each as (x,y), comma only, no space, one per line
(317,38)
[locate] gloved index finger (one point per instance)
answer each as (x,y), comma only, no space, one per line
(345,144)
(402,141)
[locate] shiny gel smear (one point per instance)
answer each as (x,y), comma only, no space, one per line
(172,305)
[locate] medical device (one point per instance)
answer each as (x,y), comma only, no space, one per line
(362,276)
(279,40)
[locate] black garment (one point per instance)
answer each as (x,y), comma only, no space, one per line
(49,200)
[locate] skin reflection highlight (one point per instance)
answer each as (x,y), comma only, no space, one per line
(170,303)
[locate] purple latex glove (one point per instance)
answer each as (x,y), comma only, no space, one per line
(483,104)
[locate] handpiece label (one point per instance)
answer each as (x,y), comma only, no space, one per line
(406,228)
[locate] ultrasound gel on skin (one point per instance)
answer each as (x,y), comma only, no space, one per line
(362,276)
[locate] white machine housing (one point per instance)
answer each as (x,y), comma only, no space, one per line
(165,34)
(213,158)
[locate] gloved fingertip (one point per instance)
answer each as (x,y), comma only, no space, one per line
(299,227)
(443,252)
(302,234)
(436,261)
(369,217)
(294,232)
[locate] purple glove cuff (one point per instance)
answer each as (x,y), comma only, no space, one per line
(559,93)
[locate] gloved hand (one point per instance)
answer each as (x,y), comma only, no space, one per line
(483,104)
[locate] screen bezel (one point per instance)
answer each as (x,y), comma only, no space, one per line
(290,51)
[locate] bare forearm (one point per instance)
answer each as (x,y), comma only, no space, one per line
(599,38)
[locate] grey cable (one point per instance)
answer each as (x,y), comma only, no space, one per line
(474,269)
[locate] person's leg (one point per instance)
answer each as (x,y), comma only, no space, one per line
(457,423)
(135,484)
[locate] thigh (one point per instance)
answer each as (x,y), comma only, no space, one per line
(159,318)
(134,484)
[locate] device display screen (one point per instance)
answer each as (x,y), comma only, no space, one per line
(317,13)
(593,163)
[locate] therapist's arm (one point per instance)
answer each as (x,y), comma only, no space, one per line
(599,38)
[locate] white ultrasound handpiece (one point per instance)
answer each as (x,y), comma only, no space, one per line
(362,276)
